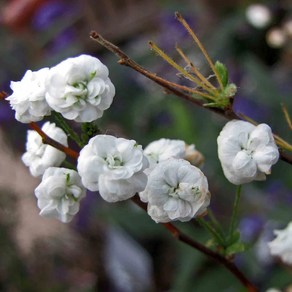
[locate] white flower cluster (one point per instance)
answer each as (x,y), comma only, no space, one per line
(79,88)
(246,152)
(281,246)
(176,190)
(39,156)
(165,175)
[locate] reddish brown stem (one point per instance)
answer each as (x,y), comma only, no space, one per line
(53,143)
(208,252)
(125,60)
(3,94)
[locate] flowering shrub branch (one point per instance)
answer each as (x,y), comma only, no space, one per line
(176,233)
(169,226)
(181,91)
(164,178)
(47,140)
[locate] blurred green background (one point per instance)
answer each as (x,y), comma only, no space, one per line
(116,247)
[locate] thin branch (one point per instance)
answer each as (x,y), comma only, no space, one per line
(53,143)
(198,42)
(171,62)
(208,252)
(127,61)
(194,69)
(286,114)
(3,94)
(169,86)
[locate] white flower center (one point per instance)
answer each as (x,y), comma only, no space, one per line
(114,161)
(82,89)
(174,192)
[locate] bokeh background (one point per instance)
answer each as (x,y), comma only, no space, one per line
(117,247)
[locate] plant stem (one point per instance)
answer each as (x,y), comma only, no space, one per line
(208,252)
(177,67)
(168,86)
(52,142)
(234,211)
(215,222)
(71,133)
(199,44)
(194,69)
(215,234)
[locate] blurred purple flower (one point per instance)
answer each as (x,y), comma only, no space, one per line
(250,108)
(83,218)
(48,13)
(172,31)
(278,193)
(6,113)
(250,227)
(63,40)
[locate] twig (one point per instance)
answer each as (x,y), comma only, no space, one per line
(169,86)
(3,94)
(53,143)
(198,42)
(286,114)
(208,252)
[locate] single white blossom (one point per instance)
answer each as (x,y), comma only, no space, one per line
(176,190)
(28,97)
(281,246)
(163,149)
(39,156)
(246,152)
(79,88)
(59,193)
(113,166)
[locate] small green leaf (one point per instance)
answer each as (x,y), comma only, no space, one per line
(223,72)
(235,248)
(235,237)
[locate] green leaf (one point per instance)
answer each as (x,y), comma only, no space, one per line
(235,248)
(223,72)
(235,237)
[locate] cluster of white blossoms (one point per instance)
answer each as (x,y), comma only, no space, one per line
(39,156)
(246,152)
(176,190)
(281,246)
(79,88)
(165,175)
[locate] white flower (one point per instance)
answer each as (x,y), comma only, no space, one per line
(246,152)
(28,98)
(79,88)
(281,246)
(176,190)
(113,166)
(163,149)
(59,193)
(38,156)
